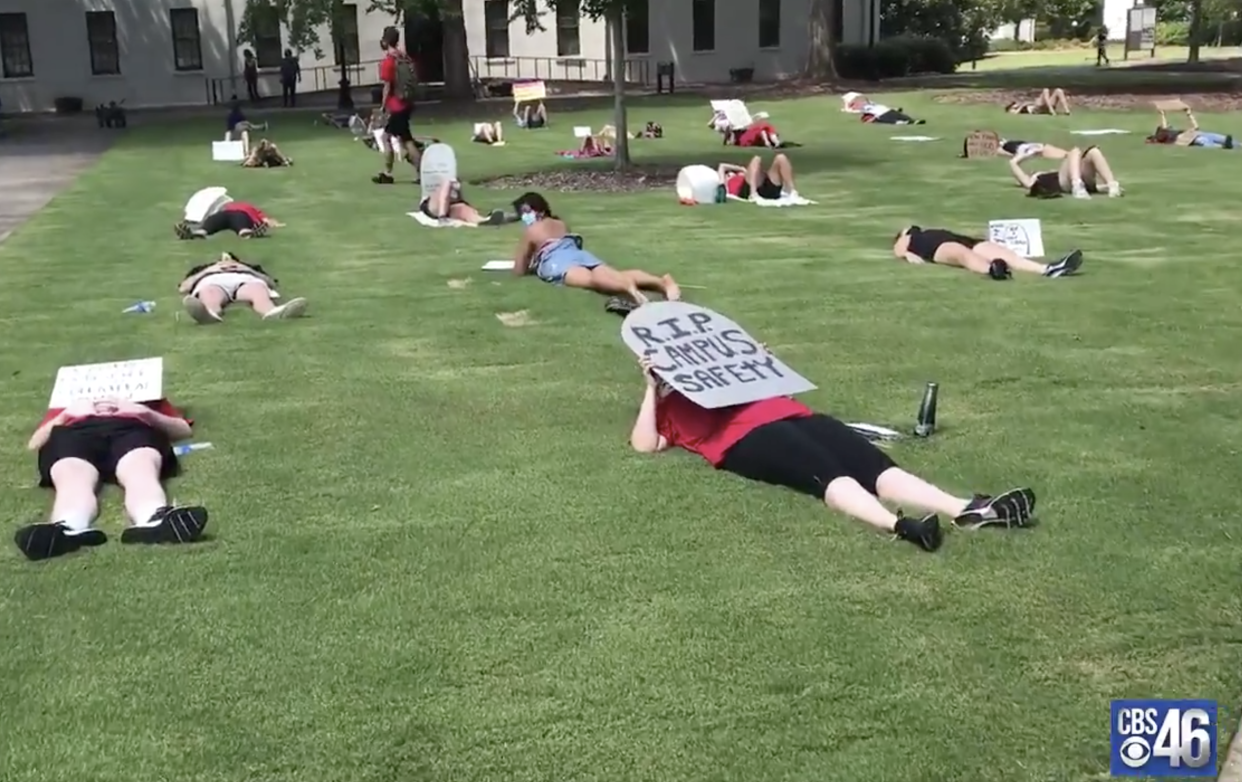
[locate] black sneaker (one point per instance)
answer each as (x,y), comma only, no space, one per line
(924,533)
(1066,266)
(1014,508)
(44,541)
(184,231)
(497,217)
(999,270)
(383,178)
(176,524)
(620,305)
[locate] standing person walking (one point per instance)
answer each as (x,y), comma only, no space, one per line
(397,74)
(1101,47)
(290,75)
(250,72)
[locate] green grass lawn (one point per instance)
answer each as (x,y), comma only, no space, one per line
(1085,57)
(435,558)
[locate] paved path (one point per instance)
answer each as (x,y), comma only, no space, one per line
(38,160)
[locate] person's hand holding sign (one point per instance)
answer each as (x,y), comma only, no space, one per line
(648,371)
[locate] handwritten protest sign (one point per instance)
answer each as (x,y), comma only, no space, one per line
(524,91)
(141,380)
(1025,237)
(706,357)
(981,144)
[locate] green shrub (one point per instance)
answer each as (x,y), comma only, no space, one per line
(893,58)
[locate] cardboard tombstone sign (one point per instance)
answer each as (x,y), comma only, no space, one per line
(141,380)
(706,357)
(439,165)
(981,144)
(1176,104)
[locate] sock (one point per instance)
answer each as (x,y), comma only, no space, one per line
(77,521)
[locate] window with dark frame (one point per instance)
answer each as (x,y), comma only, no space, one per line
(101,38)
(15,46)
(345,37)
(769,24)
(267,37)
(568,39)
(496,32)
(703,20)
(187,39)
(637,27)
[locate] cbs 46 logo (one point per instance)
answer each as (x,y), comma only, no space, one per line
(1181,738)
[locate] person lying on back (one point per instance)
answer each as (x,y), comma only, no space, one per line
(266,154)
(210,288)
(530,114)
(448,203)
(1191,137)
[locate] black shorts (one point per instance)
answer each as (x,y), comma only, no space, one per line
(767,189)
(807,454)
(425,206)
(102,442)
(227,220)
(398,125)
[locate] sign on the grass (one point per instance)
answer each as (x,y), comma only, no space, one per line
(140,380)
(439,165)
(981,143)
(1025,237)
(529,90)
(707,357)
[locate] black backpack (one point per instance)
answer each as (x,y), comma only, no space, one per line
(407,79)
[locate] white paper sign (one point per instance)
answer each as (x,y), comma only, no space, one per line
(498,266)
(228,151)
(1025,237)
(582,131)
(707,357)
(141,380)
(439,165)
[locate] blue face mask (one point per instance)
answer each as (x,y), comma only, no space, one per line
(529,218)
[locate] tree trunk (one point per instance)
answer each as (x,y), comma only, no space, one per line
(1196,24)
(821,44)
(621,146)
(457,83)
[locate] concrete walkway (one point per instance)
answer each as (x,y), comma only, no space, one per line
(38,159)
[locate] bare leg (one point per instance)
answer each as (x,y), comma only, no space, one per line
(214,299)
(438,204)
(964,258)
(76,504)
(992,251)
(1059,99)
(646,281)
(541,114)
(257,296)
(900,487)
(498,132)
(1098,165)
(754,174)
(849,497)
(781,173)
(1044,101)
(138,473)
(604,279)
(1070,174)
(412,155)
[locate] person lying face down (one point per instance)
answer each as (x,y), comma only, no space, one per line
(554,255)
(1192,137)
(266,155)
(1030,149)
(109,441)
(946,248)
(210,288)
(753,182)
(784,443)
(530,114)
(447,203)
(242,218)
(880,114)
(1081,173)
(1048,102)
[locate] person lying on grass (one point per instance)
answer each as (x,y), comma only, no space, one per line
(210,288)
(266,155)
(530,115)
(753,182)
(447,203)
(1030,149)
(946,248)
(554,255)
(880,114)
(1081,173)
(784,443)
(246,220)
(1048,102)
(109,441)
(488,133)
(1191,137)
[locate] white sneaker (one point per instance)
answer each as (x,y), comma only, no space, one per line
(197,310)
(1081,192)
(294,308)
(1114,190)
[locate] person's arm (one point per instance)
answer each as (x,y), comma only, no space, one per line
(522,257)
(1024,179)
(387,77)
(1164,120)
(40,436)
(188,283)
(644,437)
(297,68)
(1190,117)
(724,169)
(912,258)
(175,428)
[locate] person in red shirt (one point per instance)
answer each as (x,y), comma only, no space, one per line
(246,220)
(783,442)
(760,134)
(113,441)
(754,181)
(395,106)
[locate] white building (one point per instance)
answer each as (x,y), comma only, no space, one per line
(185,52)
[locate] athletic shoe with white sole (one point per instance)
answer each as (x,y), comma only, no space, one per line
(294,308)
(1114,190)
(44,541)
(924,533)
(198,311)
(1066,266)
(174,524)
(1014,508)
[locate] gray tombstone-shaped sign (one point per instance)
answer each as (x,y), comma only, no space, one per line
(706,357)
